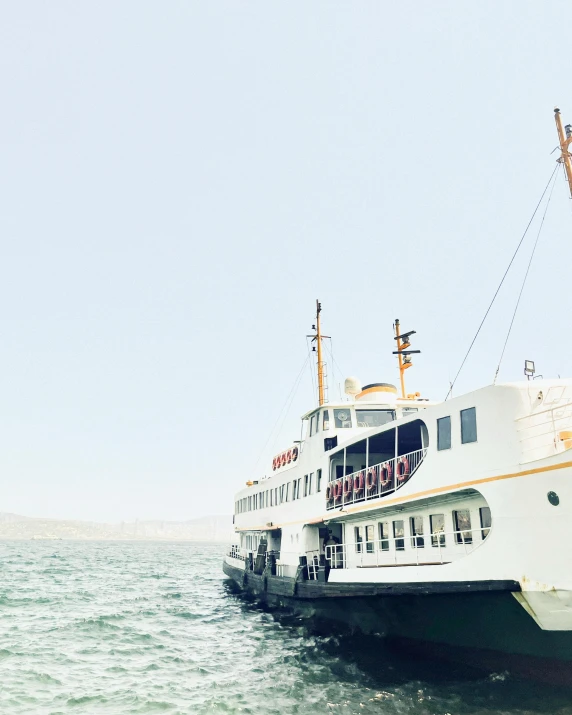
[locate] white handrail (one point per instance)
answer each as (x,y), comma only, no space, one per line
(383,478)
(433,548)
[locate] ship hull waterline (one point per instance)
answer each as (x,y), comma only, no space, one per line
(484,627)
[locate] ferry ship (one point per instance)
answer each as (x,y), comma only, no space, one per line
(444,526)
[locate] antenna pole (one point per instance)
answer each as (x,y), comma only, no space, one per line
(564,138)
(321,396)
(400,357)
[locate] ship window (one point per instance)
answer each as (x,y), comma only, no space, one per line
(300,488)
(398,534)
(330,443)
(326,424)
(359,539)
(369,539)
(319,480)
(272,497)
(294,491)
(288,492)
(444,433)
(416,526)
(374,418)
(462,521)
(305,485)
(485,514)
(276,496)
(314,424)
(310,482)
(437,526)
(469,425)
(384,535)
(343,418)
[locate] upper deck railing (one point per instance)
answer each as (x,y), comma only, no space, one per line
(545,432)
(373,482)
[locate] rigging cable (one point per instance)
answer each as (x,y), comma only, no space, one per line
(290,395)
(525,277)
(500,284)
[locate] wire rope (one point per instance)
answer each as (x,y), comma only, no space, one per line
(501,283)
(525,277)
(290,395)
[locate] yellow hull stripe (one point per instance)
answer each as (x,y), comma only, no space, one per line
(417,495)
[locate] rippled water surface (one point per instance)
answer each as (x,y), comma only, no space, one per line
(154,628)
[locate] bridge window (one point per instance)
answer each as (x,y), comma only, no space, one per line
(437,526)
(319,480)
(343,418)
(444,433)
(374,418)
(314,424)
(305,485)
(326,424)
(469,425)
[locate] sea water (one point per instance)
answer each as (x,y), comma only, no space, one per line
(149,627)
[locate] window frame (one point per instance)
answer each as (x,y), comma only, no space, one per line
(473,411)
(358,538)
(438,538)
(443,421)
(488,527)
(399,539)
(459,538)
(384,539)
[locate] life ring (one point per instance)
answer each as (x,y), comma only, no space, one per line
(386,474)
(283,459)
(371,479)
(403,469)
(294,453)
(348,485)
(289,456)
(338,490)
(359,483)
(274,464)
(329,494)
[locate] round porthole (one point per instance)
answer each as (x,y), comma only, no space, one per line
(553,498)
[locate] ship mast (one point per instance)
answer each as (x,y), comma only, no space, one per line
(403,354)
(318,337)
(564,138)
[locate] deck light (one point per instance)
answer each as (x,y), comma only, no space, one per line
(529,368)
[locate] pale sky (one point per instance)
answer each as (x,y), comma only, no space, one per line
(181,180)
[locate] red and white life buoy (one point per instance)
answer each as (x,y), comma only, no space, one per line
(403,470)
(338,490)
(386,474)
(329,493)
(359,482)
(371,479)
(348,485)
(274,464)
(294,453)
(289,456)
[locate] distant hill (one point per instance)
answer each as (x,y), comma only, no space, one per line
(207,528)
